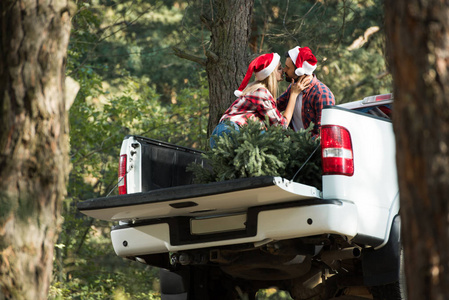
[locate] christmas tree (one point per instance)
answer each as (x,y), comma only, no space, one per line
(256,150)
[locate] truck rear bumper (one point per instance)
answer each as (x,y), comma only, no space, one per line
(257,225)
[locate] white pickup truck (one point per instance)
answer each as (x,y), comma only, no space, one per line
(227,240)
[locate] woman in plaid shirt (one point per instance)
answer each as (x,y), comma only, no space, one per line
(256,100)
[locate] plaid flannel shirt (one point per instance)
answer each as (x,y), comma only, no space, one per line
(255,105)
(314,98)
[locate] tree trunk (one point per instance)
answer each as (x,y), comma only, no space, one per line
(418,53)
(34,145)
(227,60)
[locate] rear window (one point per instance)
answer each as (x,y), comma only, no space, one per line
(383,111)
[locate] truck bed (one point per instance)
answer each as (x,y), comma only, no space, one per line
(198,199)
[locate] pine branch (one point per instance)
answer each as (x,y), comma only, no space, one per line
(212,56)
(181,54)
(206,21)
(250,152)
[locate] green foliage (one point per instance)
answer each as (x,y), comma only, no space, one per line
(186,123)
(253,151)
(273,294)
(111,103)
(87,268)
(135,37)
(341,34)
(98,124)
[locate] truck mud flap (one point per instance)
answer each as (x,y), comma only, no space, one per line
(382,266)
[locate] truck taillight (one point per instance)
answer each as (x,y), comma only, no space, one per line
(336,151)
(377,98)
(122,175)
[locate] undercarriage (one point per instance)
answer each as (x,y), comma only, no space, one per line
(319,267)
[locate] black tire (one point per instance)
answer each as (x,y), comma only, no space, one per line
(390,291)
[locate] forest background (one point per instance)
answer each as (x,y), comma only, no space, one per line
(124,56)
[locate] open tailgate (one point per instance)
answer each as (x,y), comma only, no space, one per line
(198,199)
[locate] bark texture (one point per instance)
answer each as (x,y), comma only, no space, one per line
(418,51)
(227,60)
(33,142)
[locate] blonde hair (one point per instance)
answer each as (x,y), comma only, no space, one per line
(270,83)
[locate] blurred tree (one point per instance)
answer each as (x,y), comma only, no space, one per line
(34,142)
(418,55)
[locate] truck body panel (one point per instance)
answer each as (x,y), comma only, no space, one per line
(373,187)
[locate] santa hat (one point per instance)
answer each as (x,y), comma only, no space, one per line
(262,67)
(304,60)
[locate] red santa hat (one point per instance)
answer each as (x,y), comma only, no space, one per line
(262,67)
(304,60)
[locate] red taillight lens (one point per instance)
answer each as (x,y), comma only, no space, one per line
(384,97)
(122,175)
(336,151)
